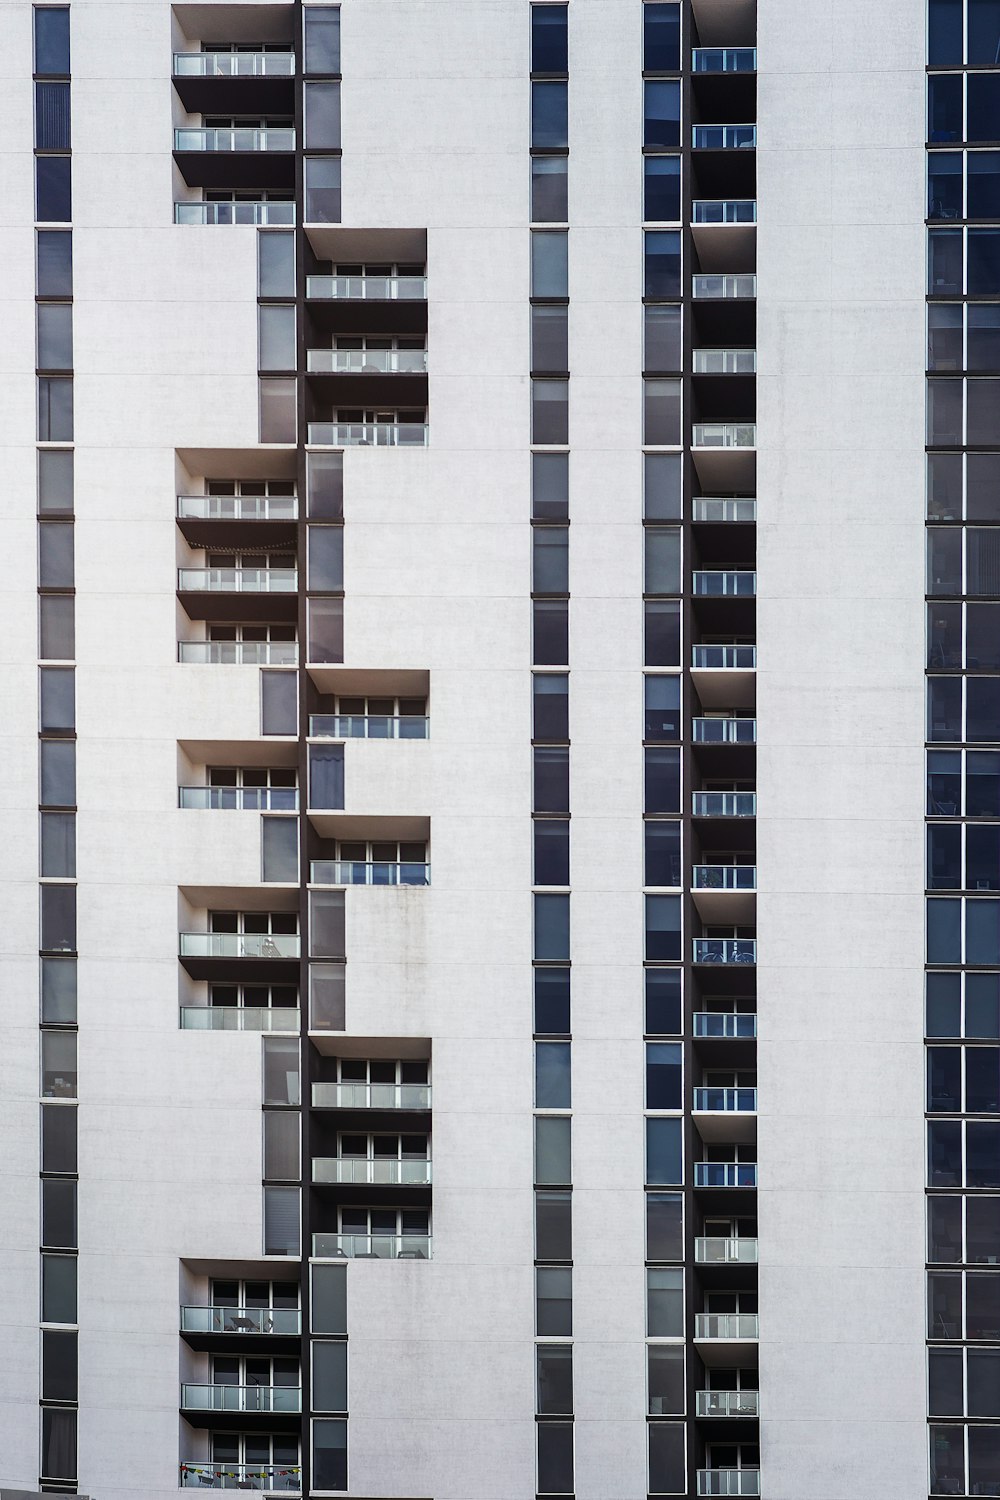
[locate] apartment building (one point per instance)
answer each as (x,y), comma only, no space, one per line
(501,727)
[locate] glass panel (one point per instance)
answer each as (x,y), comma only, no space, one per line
(322,116)
(321,26)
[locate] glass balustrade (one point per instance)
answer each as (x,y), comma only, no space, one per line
(725,951)
(237,507)
(372,1246)
(712,508)
(265,213)
(717,1251)
(727,1404)
(259,1320)
(724,59)
(237,580)
(368,434)
(374,872)
(741,1101)
(724,804)
(731,1325)
(373,1171)
(368,727)
(724,434)
(724,731)
(724,361)
(239,945)
(716,284)
(371,1095)
(367,361)
(239,1018)
(240,798)
(724,211)
(728,1481)
(729,658)
(367,288)
(241,1398)
(725,1174)
(724,877)
(216,138)
(724,137)
(724,583)
(280,1478)
(238,653)
(730,1025)
(234,65)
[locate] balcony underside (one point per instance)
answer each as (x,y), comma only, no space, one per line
(730,322)
(717,761)
(374,682)
(255,1346)
(722,907)
(726,1353)
(725,398)
(725,1125)
(237,606)
(723,616)
(722,1276)
(344,825)
(251,94)
(356,389)
(735,1200)
(725,687)
(328,1121)
(730,980)
(244,1421)
(356,318)
(236,533)
(239,171)
(724,173)
(328,1195)
(724,98)
(232,970)
(725,247)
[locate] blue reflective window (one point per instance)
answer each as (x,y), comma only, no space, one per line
(661,126)
(549,115)
(549,38)
(661,38)
(944,107)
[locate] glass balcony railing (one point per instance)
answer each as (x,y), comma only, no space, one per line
(265,212)
(724,59)
(262,1320)
(367,288)
(725,1024)
(724,211)
(724,361)
(216,138)
(716,284)
(724,434)
(728,1481)
(724,585)
(239,1018)
(374,1171)
(234,65)
(725,1174)
(368,434)
(724,877)
(282,1478)
(729,658)
(726,1326)
(240,798)
(737,1101)
(724,137)
(372,1246)
(724,731)
(374,872)
(239,653)
(727,1404)
(237,580)
(237,507)
(367,361)
(716,1251)
(724,804)
(241,1398)
(368,727)
(371,1095)
(725,951)
(239,945)
(736,508)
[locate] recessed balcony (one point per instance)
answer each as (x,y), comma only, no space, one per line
(234,159)
(264,213)
(369,872)
(372,1246)
(735,508)
(368,434)
(716,1251)
(725,1114)
(274,1478)
(239,798)
(239,594)
(731,1404)
(276,1322)
(724,676)
(723,138)
(723,1338)
(724,804)
(379,1171)
(371,1095)
(240,1018)
(723,59)
(241,1398)
(725,1174)
(724,731)
(724,362)
(728,1481)
(366,288)
(369,726)
(719,286)
(228,82)
(725,893)
(725,950)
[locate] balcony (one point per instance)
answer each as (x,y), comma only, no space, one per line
(368,727)
(275,1478)
(724,804)
(715,1251)
(724,362)
(724,211)
(366,288)
(368,434)
(237,580)
(726,1338)
(236,83)
(723,138)
(241,1398)
(367,361)
(377,1171)
(277,1321)
(727,1404)
(725,1025)
(238,653)
(718,286)
(254,945)
(725,893)
(263,213)
(724,877)
(237,508)
(372,1246)
(724,658)
(736,508)
(240,1018)
(725,1100)
(234,65)
(190,138)
(724,731)
(239,798)
(377,872)
(728,1481)
(724,59)
(724,435)
(719,584)
(725,1174)
(725,950)
(371,1096)
(725,1114)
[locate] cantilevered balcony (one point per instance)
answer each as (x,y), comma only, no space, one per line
(367,361)
(733,1330)
(255,945)
(372,1246)
(215,138)
(724,676)
(724,211)
(724,435)
(735,508)
(725,893)
(198,1474)
(728,1481)
(234,65)
(359,1095)
(237,580)
(725,1114)
(727,1404)
(372,1171)
(235,159)
(239,798)
(248,593)
(728,583)
(238,520)
(238,653)
(227,82)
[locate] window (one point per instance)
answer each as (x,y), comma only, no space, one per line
(662,698)
(549,486)
(54,335)
(281,1146)
(328,1306)
(552,1150)
(550,411)
(550,339)
(56,698)
(551,937)
(664,1151)
(281,1222)
(665,1310)
(664,1226)
(276,267)
(662,483)
(663,853)
(59,1366)
(58,1288)
(58,1442)
(329,1375)
(553,1226)
(549,263)
(549,38)
(555,1379)
(663,1002)
(326,776)
(550,560)
(552,1075)
(549,189)
(661,114)
(550,632)
(279,849)
(53,191)
(662,343)
(55,480)
(56,629)
(550,707)
(279,703)
(277,406)
(326,630)
(58,1064)
(551,782)
(664,1075)
(326,924)
(553,1301)
(321,26)
(322,189)
(55,409)
(551,840)
(661,623)
(59,1155)
(667,1468)
(329,1455)
(51,41)
(663,263)
(663,927)
(52,117)
(322,116)
(58,990)
(555,1458)
(662,189)
(552,1002)
(325,550)
(662,549)
(58,918)
(57,773)
(549,115)
(661,37)
(276,340)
